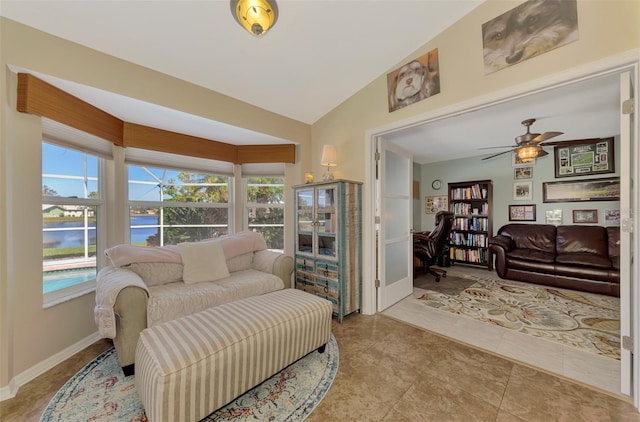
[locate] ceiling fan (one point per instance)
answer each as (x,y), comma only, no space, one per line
(529,145)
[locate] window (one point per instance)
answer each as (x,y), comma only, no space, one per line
(71,207)
(265,209)
(167,206)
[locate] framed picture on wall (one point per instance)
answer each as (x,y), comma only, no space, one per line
(584,157)
(582,190)
(585,216)
(517,161)
(522,212)
(612,217)
(523,173)
(523,191)
(434,204)
(553,217)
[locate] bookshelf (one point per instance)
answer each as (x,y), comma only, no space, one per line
(470,203)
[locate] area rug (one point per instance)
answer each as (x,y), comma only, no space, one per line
(586,321)
(100,392)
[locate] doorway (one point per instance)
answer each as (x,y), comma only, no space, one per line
(631,172)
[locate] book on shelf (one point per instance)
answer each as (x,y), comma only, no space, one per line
(478,256)
(471,192)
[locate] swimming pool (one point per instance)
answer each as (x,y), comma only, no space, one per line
(56,280)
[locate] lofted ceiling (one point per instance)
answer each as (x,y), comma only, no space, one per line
(320,53)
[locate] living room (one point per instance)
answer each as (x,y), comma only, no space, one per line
(609,37)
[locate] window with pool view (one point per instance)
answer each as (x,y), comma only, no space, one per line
(71,200)
(167,206)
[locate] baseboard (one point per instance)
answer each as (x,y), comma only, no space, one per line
(21,379)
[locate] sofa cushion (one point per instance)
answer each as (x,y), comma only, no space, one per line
(583,259)
(203,261)
(121,255)
(156,273)
(173,300)
(241,243)
(538,237)
(583,239)
(240,262)
(531,255)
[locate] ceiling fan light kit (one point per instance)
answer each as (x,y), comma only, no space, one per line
(256,16)
(528,146)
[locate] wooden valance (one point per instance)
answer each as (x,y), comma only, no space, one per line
(38,97)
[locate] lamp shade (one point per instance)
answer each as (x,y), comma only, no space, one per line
(329,156)
(256,16)
(527,154)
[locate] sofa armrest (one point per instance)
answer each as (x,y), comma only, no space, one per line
(275,263)
(121,309)
(498,248)
(502,241)
(131,316)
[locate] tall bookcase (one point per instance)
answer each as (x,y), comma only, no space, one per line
(470,203)
(328,243)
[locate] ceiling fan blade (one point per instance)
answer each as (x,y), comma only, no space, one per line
(500,153)
(547,135)
(542,153)
(504,146)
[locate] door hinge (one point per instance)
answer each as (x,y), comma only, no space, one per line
(627,343)
(377,283)
(627,106)
(377,219)
(626,225)
(377,156)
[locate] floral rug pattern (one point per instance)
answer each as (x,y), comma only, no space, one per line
(585,321)
(101,392)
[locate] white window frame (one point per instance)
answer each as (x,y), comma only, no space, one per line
(248,205)
(161,203)
(62,295)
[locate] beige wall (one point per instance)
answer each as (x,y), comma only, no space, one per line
(606,28)
(30,334)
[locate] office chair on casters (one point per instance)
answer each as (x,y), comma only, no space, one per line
(428,246)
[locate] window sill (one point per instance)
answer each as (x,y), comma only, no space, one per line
(64,295)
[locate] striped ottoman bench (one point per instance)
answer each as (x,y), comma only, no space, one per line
(191,366)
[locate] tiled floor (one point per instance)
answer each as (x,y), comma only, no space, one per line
(393,371)
(592,369)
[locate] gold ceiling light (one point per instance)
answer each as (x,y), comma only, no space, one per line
(256,16)
(527,154)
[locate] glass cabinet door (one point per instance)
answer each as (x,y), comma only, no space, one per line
(326,221)
(305,220)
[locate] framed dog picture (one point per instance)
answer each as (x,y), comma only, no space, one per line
(413,82)
(528,30)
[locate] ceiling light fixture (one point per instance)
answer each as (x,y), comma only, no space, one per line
(256,16)
(527,154)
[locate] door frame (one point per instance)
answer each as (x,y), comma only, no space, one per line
(613,65)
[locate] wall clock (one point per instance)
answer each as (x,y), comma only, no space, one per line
(436,184)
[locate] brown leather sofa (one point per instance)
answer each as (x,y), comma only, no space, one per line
(585,258)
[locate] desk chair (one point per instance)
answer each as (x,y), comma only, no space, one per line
(428,246)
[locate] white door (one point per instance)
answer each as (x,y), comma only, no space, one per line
(395,209)
(628,204)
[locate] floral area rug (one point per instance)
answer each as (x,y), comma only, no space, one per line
(585,321)
(100,392)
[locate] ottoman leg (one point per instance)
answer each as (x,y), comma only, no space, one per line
(129,370)
(322,348)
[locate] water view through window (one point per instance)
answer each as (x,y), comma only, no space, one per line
(70,204)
